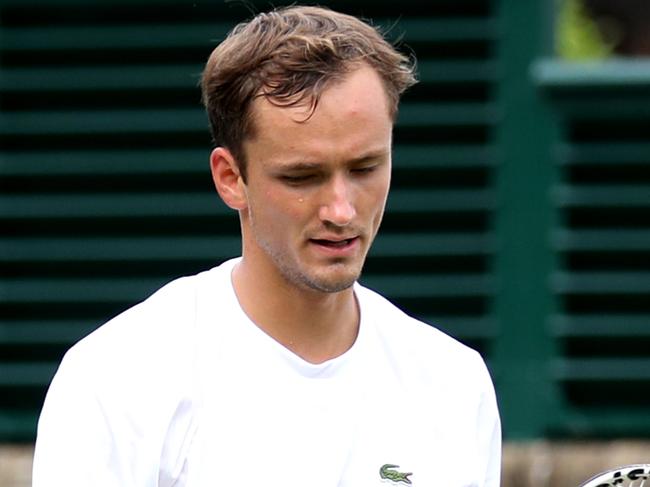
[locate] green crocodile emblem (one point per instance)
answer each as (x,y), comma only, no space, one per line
(387,472)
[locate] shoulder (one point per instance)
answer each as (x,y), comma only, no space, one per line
(128,388)
(419,344)
(124,392)
(150,346)
(167,318)
(145,328)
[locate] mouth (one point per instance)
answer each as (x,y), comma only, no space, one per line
(335,243)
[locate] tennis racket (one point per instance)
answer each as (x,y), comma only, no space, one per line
(626,476)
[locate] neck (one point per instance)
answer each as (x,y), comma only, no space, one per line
(314,325)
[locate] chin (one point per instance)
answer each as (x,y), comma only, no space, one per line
(330,283)
(330,287)
(332,277)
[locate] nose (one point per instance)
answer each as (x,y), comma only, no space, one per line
(337,207)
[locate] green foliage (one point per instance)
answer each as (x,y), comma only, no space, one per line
(578,36)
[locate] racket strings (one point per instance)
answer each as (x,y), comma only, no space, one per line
(626,476)
(637,483)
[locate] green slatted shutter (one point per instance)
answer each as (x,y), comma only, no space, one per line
(106,192)
(603,284)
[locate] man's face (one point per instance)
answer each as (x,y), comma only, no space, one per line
(316,189)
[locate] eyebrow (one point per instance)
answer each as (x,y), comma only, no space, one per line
(370,156)
(308,166)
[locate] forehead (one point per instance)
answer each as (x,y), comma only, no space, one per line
(351,115)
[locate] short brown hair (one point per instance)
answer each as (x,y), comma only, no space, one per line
(289,55)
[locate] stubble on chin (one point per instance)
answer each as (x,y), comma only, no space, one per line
(324,284)
(323,278)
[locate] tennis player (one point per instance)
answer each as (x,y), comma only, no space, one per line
(276,368)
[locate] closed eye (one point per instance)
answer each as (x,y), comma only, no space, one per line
(363,169)
(297,179)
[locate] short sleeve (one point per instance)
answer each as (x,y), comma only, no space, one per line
(83,439)
(489,433)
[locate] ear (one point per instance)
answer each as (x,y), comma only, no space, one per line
(227,178)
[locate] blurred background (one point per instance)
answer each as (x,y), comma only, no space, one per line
(519,220)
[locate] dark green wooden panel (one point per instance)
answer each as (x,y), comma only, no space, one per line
(602,283)
(524,261)
(600,326)
(567,77)
(120,249)
(44,332)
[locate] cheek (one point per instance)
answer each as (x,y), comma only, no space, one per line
(279,209)
(297,210)
(377,196)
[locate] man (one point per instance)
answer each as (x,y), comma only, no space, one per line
(277,368)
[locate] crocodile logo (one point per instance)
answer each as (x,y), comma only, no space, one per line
(388,472)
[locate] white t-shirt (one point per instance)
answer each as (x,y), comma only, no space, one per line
(184,390)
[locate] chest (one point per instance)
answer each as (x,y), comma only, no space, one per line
(293,432)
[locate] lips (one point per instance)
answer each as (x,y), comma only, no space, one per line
(336,244)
